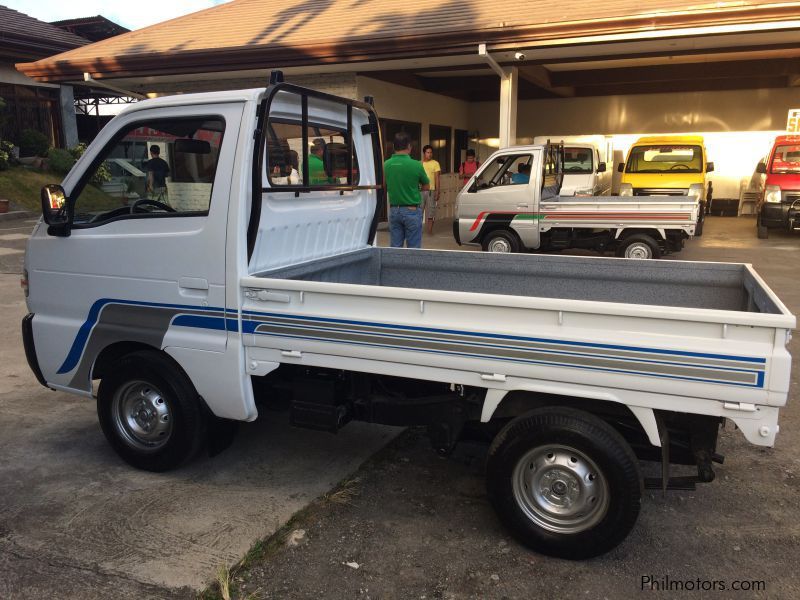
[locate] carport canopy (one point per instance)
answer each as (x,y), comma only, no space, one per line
(545,48)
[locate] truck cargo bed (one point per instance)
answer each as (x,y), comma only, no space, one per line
(714,286)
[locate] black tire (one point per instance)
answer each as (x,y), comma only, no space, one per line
(762,231)
(698,229)
(150,412)
(610,495)
(500,238)
(639,242)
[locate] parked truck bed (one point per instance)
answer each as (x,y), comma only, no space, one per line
(712,286)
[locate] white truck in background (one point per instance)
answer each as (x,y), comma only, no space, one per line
(514,203)
(268,291)
(587,163)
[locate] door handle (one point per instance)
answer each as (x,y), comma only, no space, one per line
(193,283)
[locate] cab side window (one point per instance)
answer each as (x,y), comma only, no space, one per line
(158,168)
(511,169)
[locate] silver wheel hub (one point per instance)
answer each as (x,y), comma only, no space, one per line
(141,416)
(499,245)
(638,250)
(560,489)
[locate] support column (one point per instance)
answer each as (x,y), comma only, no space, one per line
(69,122)
(509,84)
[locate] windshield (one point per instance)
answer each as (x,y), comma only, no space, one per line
(665,158)
(577,160)
(786,159)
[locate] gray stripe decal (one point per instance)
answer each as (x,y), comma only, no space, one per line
(544,346)
(131,323)
(522,355)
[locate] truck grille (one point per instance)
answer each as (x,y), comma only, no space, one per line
(660,192)
(791,196)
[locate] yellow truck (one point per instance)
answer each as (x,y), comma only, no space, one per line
(674,165)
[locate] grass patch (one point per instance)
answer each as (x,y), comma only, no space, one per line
(23,187)
(225,585)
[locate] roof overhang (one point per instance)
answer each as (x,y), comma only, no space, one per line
(354,54)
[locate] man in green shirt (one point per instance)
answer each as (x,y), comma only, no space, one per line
(405,177)
(316,166)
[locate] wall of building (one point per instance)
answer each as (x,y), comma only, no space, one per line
(406,104)
(738,126)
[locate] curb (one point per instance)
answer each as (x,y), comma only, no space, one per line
(15,215)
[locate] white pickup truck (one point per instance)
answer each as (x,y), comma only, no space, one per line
(513,203)
(243,285)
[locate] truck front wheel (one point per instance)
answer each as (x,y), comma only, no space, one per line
(564,482)
(500,241)
(150,412)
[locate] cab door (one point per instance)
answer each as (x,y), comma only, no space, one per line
(144,261)
(502,198)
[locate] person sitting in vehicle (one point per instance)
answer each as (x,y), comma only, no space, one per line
(523,175)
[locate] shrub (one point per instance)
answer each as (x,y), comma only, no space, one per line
(33,143)
(5,155)
(60,161)
(103,172)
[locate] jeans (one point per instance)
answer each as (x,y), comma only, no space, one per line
(405,224)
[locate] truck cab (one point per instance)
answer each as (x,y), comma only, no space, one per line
(668,166)
(586,160)
(779,205)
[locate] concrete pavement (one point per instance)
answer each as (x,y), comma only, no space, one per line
(76,522)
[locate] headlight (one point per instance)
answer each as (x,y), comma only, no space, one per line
(772,193)
(625,189)
(584,192)
(696,191)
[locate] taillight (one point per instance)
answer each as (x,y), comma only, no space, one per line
(24,282)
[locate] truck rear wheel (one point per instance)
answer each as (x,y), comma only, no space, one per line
(564,482)
(638,245)
(150,412)
(500,241)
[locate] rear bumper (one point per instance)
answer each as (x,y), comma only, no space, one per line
(30,348)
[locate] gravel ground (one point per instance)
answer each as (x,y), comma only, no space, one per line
(421,526)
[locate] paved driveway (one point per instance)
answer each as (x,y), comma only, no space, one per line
(76,522)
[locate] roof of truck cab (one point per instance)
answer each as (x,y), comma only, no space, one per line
(671,139)
(250,95)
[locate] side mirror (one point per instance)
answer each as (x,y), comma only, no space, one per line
(54,210)
(601,168)
(621,167)
(709,167)
(761,168)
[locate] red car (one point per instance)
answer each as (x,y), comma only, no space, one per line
(779,206)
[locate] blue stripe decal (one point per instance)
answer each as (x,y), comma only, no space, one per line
(620,358)
(756,360)
(524,361)
(78,344)
(200,322)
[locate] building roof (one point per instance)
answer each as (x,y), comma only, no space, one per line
(258,34)
(25,38)
(94,28)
